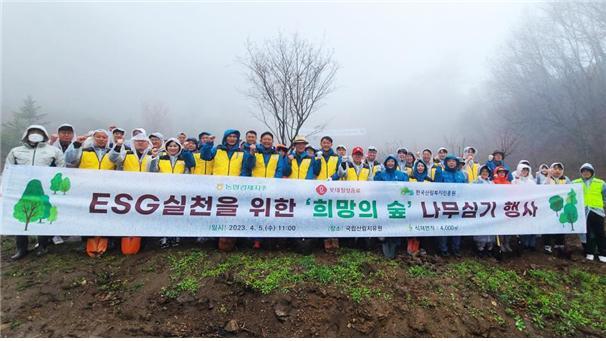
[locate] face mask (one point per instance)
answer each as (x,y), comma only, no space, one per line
(35,138)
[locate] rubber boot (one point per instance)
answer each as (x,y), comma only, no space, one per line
(21,242)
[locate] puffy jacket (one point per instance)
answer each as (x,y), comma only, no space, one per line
(451,175)
(496,179)
(42,154)
(390,174)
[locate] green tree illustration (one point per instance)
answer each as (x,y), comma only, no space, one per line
(53,214)
(556,203)
(56,183)
(405,191)
(33,205)
(65,185)
(570,214)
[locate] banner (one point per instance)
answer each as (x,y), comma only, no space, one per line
(66,201)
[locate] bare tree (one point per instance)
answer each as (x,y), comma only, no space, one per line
(546,94)
(289,80)
(507,142)
(156,117)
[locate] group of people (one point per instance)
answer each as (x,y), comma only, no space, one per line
(108,149)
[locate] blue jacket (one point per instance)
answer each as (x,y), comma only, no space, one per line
(451,175)
(421,177)
(208,152)
(312,172)
(250,160)
(188,157)
(391,174)
(492,165)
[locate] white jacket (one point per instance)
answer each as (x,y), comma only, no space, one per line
(42,154)
(523,180)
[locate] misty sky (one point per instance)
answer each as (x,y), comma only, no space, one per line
(407,71)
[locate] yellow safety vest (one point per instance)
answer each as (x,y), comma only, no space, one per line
(224,165)
(472,172)
(165,166)
(409,171)
(299,171)
(328,169)
(90,160)
(133,164)
(203,167)
(592,195)
(353,176)
(262,170)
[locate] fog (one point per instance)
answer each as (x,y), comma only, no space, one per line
(407,71)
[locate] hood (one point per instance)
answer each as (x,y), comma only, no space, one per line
(522,166)
(484,167)
(229,132)
(101,131)
(158,135)
(589,167)
(176,140)
(34,126)
(416,174)
(499,168)
(450,157)
(66,125)
(468,148)
(390,157)
(142,132)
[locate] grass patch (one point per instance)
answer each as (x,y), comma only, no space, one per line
(420,271)
(562,301)
(279,272)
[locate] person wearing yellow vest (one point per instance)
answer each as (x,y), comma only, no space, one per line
(228,159)
(371,161)
(356,169)
(556,241)
(262,161)
(94,157)
(329,160)
(471,167)
(171,161)
(202,167)
(135,159)
(594,193)
(300,166)
(227,156)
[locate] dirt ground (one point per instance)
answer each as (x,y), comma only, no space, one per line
(194,290)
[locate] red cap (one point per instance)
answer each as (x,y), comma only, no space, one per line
(357,150)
